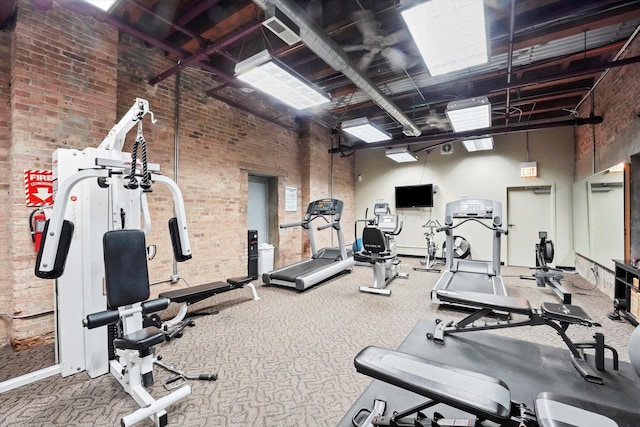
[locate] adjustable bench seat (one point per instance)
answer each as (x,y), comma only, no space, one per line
(194,294)
(553,410)
(486,397)
(239,282)
(557,316)
(140,340)
(191,295)
(488,301)
(566,313)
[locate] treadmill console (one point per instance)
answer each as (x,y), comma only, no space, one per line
(474,208)
(324,207)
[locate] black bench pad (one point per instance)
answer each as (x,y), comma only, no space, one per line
(566,313)
(196,293)
(140,340)
(483,300)
(241,281)
(554,410)
(478,394)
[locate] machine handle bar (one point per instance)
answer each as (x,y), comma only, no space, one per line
(325,226)
(292,224)
(101,318)
(154,305)
(493,228)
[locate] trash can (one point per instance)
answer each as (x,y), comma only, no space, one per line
(265,258)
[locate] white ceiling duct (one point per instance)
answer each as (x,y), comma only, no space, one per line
(331,53)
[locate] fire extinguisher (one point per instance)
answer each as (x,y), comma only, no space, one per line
(37,220)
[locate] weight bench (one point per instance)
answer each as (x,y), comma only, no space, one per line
(482,396)
(174,327)
(557,316)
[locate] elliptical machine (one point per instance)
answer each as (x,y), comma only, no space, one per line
(379,248)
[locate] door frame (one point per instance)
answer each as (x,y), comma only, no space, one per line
(552,209)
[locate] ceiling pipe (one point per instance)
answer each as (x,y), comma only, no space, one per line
(512,25)
(435,140)
(204,54)
(86,9)
(526,82)
(329,51)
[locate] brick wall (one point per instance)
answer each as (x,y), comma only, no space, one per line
(5,143)
(73,78)
(63,81)
(618,137)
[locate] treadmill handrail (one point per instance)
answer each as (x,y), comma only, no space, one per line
(294,224)
(335,225)
(479,221)
(304,223)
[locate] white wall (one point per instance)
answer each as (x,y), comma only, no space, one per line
(484,175)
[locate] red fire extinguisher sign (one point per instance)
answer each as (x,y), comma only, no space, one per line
(38,187)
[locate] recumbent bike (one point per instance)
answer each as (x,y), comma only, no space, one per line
(379,249)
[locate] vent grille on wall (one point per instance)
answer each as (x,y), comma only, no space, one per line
(446,148)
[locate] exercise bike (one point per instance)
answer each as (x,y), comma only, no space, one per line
(429,259)
(379,249)
(545,275)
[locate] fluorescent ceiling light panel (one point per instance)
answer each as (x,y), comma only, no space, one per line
(478,144)
(469,114)
(102,4)
(267,74)
(401,155)
(450,34)
(362,129)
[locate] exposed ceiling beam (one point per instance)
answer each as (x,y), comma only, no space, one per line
(438,139)
(86,9)
(204,54)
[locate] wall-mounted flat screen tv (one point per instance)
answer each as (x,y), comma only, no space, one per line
(414,196)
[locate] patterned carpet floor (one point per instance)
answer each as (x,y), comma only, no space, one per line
(285,360)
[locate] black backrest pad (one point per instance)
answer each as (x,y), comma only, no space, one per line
(374,240)
(484,396)
(125,267)
(554,410)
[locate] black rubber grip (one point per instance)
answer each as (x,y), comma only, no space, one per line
(208,377)
(101,318)
(154,305)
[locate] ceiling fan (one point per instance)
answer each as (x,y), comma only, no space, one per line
(435,121)
(377,41)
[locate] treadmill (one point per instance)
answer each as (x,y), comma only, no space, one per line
(324,263)
(469,275)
